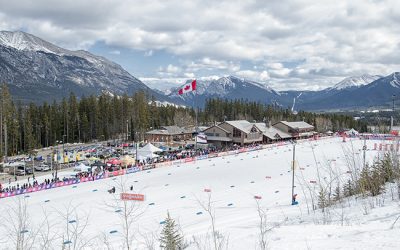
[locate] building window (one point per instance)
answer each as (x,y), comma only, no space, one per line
(237,132)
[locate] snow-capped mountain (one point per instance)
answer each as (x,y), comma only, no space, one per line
(390,81)
(351,93)
(229,87)
(375,94)
(37,70)
(355,81)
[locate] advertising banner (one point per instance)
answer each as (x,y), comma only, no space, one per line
(132,197)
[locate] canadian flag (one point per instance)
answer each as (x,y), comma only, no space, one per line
(188,88)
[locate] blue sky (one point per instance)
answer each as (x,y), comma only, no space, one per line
(286,44)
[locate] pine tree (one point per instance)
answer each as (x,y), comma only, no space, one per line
(364,182)
(322,199)
(337,196)
(348,189)
(377,179)
(170,237)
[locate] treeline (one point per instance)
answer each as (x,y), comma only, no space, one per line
(220,109)
(26,127)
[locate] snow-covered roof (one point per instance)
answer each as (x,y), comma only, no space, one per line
(271,132)
(242,125)
(169,130)
(216,126)
(298,125)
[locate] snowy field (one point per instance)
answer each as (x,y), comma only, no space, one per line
(234,181)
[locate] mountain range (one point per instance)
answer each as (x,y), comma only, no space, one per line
(36,71)
(351,93)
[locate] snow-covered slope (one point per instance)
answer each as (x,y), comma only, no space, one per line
(355,81)
(234,180)
(229,87)
(37,70)
(22,41)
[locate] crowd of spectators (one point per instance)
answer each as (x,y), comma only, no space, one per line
(143,164)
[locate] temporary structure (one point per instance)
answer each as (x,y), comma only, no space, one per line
(81,168)
(127,160)
(351,132)
(148,151)
(114,162)
(144,157)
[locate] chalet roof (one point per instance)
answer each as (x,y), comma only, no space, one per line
(216,126)
(169,130)
(297,125)
(271,132)
(242,125)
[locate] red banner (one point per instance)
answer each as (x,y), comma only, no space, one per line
(132,197)
(189,159)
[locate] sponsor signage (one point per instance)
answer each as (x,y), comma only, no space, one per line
(132,197)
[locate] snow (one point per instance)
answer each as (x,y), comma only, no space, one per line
(222,87)
(234,180)
(396,81)
(165,104)
(356,81)
(23,41)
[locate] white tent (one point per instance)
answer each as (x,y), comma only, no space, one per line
(148,151)
(144,157)
(81,168)
(351,132)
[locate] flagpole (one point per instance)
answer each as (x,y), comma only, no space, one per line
(195,111)
(293,167)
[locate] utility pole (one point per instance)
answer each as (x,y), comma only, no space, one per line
(79,130)
(293,166)
(391,117)
(136,146)
(364,151)
(5,141)
(127,130)
(1,119)
(51,159)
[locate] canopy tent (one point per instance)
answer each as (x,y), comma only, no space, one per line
(144,157)
(81,168)
(351,132)
(148,151)
(127,160)
(114,162)
(151,148)
(98,164)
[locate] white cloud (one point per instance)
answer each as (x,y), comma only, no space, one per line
(149,53)
(172,69)
(320,41)
(115,52)
(189,75)
(207,63)
(254,75)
